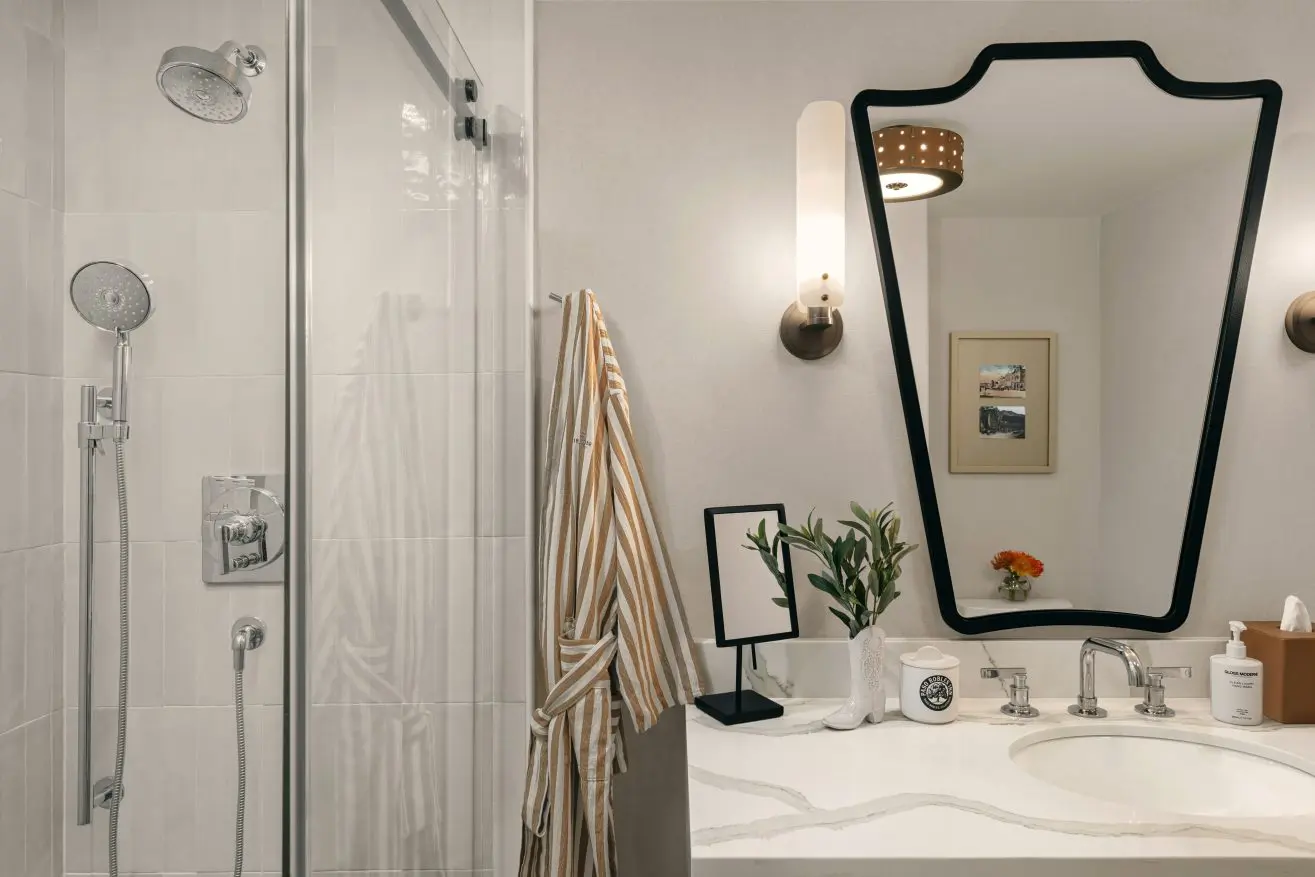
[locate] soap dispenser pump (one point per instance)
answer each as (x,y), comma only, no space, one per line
(1236,682)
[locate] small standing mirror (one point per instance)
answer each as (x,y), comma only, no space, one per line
(750,604)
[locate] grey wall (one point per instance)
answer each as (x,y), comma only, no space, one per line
(31,557)
(666,183)
(1165,262)
(1006,273)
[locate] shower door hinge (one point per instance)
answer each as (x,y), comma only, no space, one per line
(474,129)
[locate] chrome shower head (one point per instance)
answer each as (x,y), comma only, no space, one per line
(211,86)
(111,296)
(115,298)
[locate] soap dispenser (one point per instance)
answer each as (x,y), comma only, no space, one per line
(1236,682)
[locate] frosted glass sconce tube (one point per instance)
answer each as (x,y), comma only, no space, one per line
(811,326)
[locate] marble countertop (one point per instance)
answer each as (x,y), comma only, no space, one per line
(790,797)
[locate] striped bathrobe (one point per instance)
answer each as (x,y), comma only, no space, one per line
(611,626)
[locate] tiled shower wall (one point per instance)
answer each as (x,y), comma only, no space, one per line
(31,202)
(199,207)
(418,659)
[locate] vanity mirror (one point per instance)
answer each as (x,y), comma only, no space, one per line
(750,603)
(1064,300)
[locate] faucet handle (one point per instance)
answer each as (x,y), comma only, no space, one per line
(1018,705)
(1157,675)
(1153,704)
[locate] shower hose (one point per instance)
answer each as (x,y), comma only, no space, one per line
(121,726)
(239,841)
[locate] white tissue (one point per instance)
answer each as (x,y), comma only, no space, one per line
(1295,616)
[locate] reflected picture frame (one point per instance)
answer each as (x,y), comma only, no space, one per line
(1035,356)
(1270,96)
(769,510)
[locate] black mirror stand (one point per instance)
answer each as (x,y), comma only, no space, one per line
(740,706)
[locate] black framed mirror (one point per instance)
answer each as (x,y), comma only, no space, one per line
(1064,237)
(751,603)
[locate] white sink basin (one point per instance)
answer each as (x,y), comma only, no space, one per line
(1170,770)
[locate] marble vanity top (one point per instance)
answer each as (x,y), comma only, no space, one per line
(790,797)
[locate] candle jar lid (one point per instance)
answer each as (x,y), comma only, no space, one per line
(929,658)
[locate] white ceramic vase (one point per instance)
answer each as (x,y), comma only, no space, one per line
(867,692)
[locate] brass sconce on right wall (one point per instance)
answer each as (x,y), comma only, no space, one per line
(1300,322)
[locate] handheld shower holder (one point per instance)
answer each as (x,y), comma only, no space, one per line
(248,633)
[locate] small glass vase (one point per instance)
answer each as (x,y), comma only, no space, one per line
(1015,588)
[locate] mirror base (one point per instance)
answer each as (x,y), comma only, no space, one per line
(738,707)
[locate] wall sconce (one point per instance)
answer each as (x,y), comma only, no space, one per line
(811,326)
(1300,322)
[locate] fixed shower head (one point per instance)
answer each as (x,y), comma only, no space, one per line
(111,296)
(211,86)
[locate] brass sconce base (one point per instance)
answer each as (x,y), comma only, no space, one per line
(1300,322)
(809,339)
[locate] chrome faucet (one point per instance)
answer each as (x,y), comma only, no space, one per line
(1086,705)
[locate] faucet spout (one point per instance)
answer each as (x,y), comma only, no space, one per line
(1132,662)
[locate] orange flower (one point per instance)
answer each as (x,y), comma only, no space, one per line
(1019,563)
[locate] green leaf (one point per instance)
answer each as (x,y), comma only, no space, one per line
(823,584)
(782,602)
(854,525)
(842,616)
(886,599)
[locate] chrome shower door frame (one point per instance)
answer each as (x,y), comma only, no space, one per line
(296,700)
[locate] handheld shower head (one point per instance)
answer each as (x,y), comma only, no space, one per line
(210,86)
(113,298)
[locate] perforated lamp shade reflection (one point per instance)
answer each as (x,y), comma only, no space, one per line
(918,161)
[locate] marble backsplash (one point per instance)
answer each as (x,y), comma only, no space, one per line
(820,668)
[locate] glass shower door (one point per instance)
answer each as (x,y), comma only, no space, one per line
(393,456)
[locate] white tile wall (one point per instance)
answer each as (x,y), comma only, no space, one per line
(181,780)
(501,606)
(419,497)
(393,456)
(199,208)
(393,785)
(31,205)
(394,621)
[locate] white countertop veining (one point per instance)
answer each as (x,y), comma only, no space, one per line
(790,797)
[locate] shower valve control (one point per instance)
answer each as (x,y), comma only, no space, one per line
(243,528)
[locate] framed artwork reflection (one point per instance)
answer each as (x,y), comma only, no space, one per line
(1003,402)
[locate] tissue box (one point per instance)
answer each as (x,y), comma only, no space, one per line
(1289,660)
